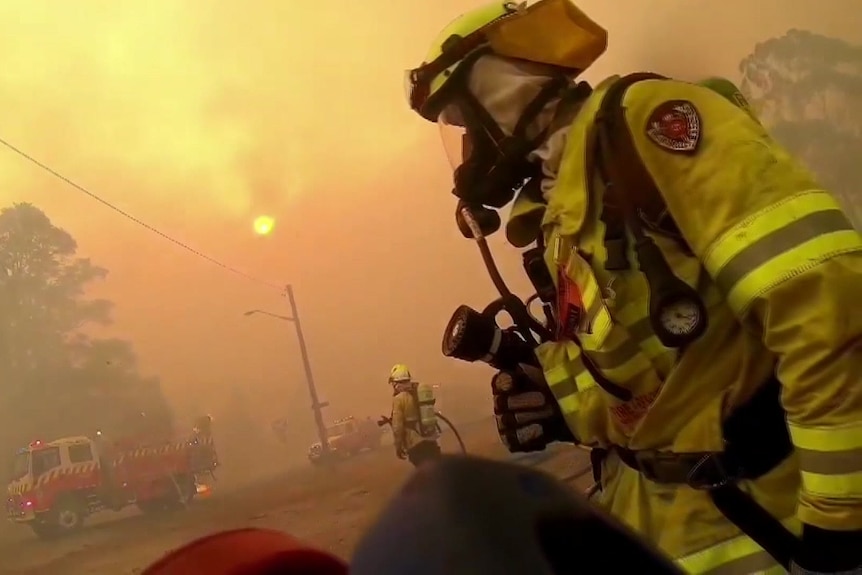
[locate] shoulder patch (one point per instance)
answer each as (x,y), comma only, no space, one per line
(675,126)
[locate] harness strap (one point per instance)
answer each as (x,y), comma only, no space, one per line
(630,193)
(757,441)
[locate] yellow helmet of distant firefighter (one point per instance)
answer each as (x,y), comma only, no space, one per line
(399,373)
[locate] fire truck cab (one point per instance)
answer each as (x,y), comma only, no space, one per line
(55,485)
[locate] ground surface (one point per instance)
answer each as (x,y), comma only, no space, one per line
(327,507)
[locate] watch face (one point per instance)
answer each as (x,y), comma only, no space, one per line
(681,318)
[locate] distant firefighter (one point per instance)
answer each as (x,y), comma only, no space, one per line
(414,419)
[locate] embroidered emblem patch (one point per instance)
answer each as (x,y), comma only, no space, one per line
(675,126)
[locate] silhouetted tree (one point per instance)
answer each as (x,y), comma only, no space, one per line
(54,380)
(107,370)
(808,89)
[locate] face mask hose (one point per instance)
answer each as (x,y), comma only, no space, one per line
(475,336)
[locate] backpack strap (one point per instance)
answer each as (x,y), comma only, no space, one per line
(629,190)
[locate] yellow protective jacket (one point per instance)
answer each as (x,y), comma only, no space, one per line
(780,270)
(405,420)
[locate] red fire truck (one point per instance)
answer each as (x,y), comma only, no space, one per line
(57,484)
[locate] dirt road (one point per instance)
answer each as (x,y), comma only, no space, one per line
(327,507)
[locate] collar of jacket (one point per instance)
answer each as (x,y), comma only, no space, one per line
(399,387)
(568,169)
(568,200)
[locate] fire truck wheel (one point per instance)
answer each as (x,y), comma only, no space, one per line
(68,516)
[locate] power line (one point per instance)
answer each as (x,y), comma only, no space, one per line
(140,222)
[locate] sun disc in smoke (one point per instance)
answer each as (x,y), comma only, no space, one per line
(263,225)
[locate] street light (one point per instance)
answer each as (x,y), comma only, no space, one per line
(316,406)
(260,311)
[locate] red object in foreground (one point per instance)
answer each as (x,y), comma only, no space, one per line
(247,552)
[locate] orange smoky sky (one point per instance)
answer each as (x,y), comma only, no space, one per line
(198,116)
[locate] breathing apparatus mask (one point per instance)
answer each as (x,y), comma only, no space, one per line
(491,164)
(491,167)
(489,149)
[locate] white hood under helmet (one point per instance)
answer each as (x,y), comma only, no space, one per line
(505,87)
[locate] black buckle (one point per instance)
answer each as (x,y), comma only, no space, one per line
(617,257)
(662,466)
(710,472)
(646,462)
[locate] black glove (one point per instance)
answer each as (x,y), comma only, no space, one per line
(528,417)
(826,552)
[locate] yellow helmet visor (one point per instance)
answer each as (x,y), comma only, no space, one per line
(552,32)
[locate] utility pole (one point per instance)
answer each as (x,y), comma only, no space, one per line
(316,405)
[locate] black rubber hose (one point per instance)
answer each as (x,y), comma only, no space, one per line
(388,421)
(454,430)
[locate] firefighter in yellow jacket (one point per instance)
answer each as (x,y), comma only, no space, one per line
(705,287)
(413,420)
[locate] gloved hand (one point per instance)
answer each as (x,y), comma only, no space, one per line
(528,417)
